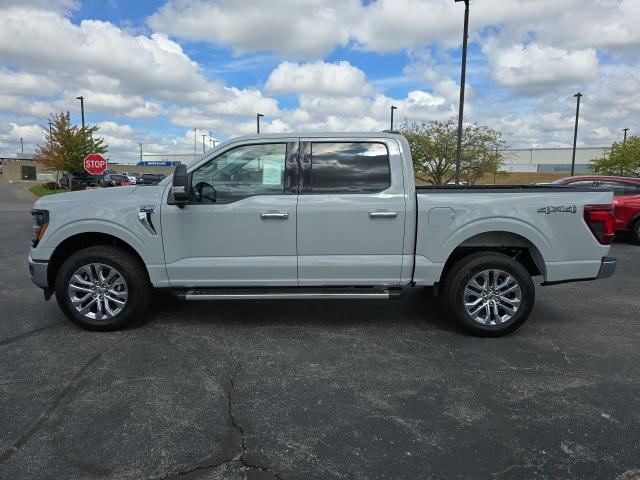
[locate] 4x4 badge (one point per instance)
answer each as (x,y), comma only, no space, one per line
(558,209)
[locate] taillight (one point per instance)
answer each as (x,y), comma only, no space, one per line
(601,222)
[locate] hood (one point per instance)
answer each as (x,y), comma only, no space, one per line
(87,197)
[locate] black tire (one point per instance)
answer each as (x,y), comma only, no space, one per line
(127,265)
(464,270)
(634,232)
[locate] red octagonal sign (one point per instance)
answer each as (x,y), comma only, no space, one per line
(95,164)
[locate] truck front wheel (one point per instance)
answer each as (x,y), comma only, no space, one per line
(102,288)
(489,294)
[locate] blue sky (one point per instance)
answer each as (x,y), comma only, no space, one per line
(152,71)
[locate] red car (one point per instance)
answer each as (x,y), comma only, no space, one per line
(115,180)
(626,199)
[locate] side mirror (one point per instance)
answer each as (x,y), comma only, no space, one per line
(181,187)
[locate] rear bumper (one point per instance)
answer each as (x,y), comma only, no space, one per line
(607,267)
(38,272)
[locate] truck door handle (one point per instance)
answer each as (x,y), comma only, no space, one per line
(269,216)
(383,214)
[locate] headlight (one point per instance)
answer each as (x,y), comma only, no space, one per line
(40,224)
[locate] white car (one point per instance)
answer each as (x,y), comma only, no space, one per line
(132,176)
(316,216)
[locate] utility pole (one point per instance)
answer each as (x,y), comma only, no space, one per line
(140,144)
(81,98)
(50,136)
(203,137)
(21,146)
(258,115)
(463,75)
(392,109)
(575,134)
(195,142)
(625,130)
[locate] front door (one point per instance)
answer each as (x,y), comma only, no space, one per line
(351,213)
(239,228)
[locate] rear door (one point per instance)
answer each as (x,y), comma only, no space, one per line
(351,213)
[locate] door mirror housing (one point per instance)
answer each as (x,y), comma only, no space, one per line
(181,186)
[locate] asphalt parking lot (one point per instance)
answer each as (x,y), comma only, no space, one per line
(317,390)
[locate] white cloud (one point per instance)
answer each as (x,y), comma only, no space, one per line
(309,28)
(26,83)
(535,68)
(340,78)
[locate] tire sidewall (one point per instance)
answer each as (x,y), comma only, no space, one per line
(113,257)
(470,268)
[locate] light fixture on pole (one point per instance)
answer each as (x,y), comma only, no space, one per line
(81,98)
(463,74)
(258,115)
(392,109)
(21,146)
(575,134)
(625,130)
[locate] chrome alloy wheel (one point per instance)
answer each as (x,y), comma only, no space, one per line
(492,297)
(98,291)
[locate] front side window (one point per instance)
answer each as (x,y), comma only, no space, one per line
(240,173)
(349,167)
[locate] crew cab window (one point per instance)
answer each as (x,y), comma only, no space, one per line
(349,167)
(582,183)
(240,173)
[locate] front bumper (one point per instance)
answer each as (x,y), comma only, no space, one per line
(38,272)
(607,267)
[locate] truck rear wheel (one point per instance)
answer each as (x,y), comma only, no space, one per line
(489,294)
(103,288)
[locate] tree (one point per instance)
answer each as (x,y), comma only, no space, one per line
(67,145)
(433,148)
(623,159)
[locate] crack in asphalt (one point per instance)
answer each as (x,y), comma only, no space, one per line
(241,456)
(17,338)
(66,389)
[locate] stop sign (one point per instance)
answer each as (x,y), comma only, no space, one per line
(95,164)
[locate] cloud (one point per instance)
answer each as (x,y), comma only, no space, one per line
(536,68)
(340,78)
(311,28)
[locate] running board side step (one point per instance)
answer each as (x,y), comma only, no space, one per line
(284,293)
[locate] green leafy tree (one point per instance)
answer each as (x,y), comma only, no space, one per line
(623,159)
(433,148)
(66,146)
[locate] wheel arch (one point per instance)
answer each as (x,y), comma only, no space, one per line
(79,241)
(513,244)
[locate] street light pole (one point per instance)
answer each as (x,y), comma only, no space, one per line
(463,75)
(392,109)
(140,144)
(195,142)
(258,115)
(81,98)
(21,146)
(203,137)
(50,136)
(625,130)
(575,134)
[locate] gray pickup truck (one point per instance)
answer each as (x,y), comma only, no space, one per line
(316,216)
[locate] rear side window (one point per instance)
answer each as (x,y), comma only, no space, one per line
(619,188)
(349,167)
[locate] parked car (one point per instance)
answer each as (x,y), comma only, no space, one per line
(152,178)
(115,180)
(77,180)
(317,216)
(133,177)
(626,199)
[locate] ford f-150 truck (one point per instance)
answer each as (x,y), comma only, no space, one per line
(316,216)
